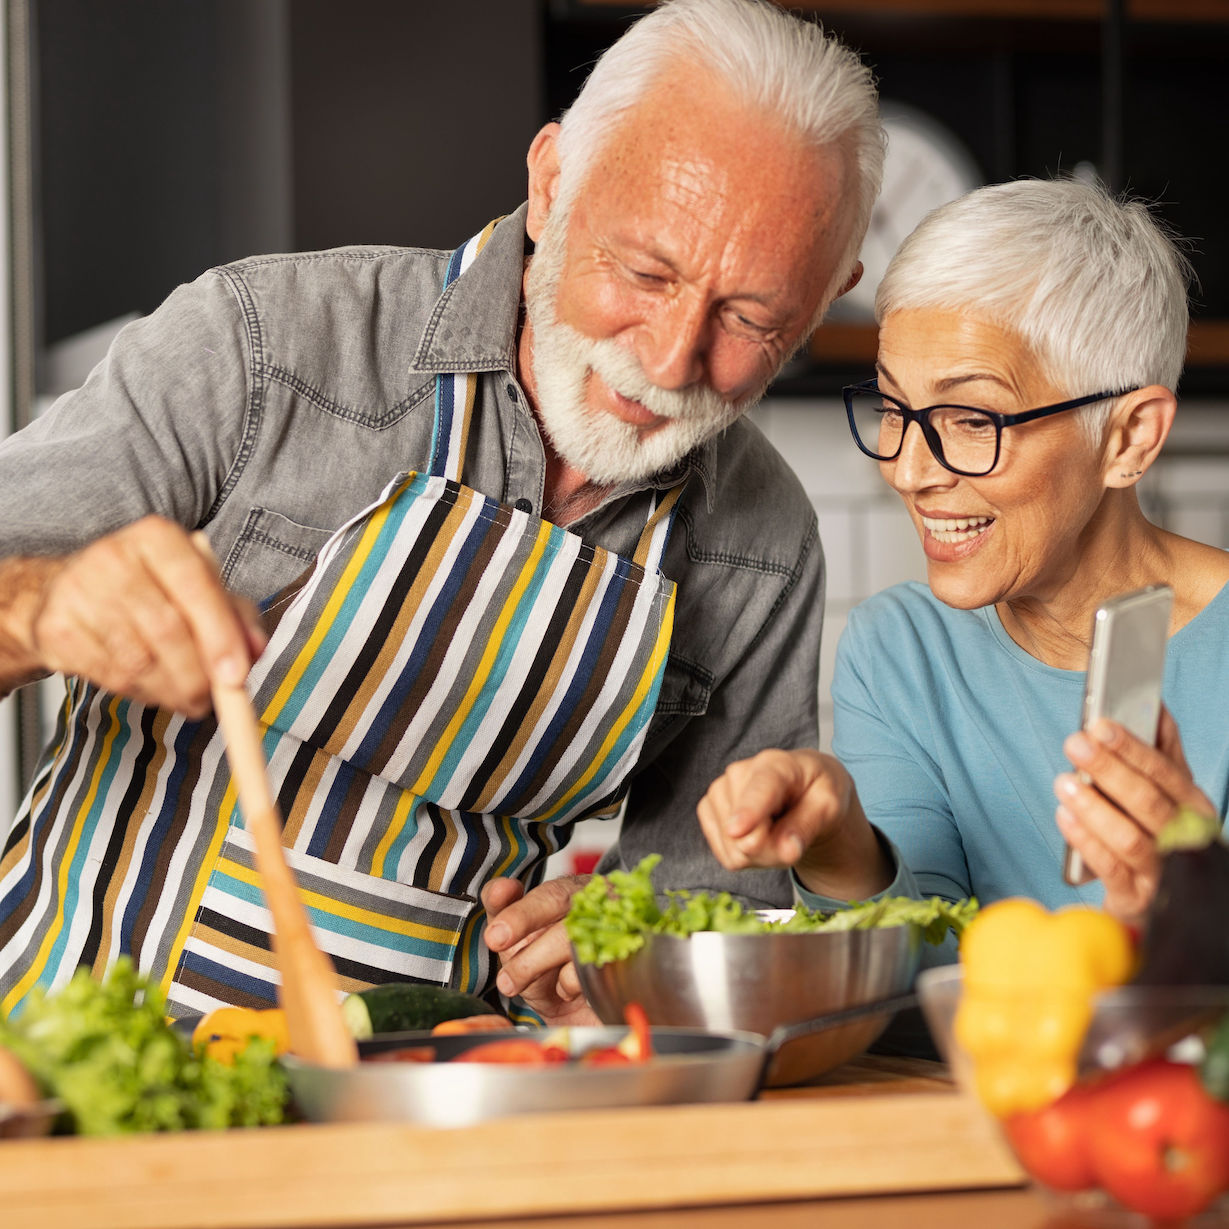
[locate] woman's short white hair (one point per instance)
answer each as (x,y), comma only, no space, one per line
(768,57)
(1094,284)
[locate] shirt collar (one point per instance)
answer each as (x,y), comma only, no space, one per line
(473,324)
(473,327)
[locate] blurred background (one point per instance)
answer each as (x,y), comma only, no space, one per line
(146,140)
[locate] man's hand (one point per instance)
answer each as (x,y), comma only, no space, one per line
(1135,790)
(140,612)
(526,930)
(800,809)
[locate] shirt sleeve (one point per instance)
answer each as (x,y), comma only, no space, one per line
(904,883)
(155,429)
(770,698)
(900,788)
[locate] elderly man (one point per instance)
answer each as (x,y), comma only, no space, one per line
(383,447)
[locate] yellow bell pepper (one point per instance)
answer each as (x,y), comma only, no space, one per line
(1030,980)
(226,1030)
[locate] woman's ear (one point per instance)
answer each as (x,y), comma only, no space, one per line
(1137,433)
(543,162)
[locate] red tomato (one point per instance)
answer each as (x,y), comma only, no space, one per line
(605,1056)
(521,1050)
(1052,1143)
(1159,1142)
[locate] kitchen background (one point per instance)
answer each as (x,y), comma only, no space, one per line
(148,140)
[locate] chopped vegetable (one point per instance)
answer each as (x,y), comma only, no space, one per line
(227,1030)
(521,1050)
(611,915)
(399,1007)
(1030,979)
(107,1052)
(1185,942)
(638,1044)
(472,1024)
(18,1088)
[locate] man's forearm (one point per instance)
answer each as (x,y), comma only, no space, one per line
(23,583)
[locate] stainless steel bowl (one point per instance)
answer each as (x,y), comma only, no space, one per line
(758,983)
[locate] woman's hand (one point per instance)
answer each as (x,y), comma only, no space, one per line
(1135,790)
(800,809)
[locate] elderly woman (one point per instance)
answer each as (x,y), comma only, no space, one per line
(1031,338)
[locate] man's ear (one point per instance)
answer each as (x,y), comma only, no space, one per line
(1138,430)
(854,278)
(543,162)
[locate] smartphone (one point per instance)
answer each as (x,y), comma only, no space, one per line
(1125,670)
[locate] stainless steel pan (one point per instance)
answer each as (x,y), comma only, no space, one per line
(689,1065)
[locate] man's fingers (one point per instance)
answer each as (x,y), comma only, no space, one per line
(536,910)
(568,986)
(190,579)
(142,612)
(498,894)
(544,957)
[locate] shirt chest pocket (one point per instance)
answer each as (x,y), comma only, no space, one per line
(271,553)
(685,689)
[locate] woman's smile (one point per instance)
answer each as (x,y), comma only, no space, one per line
(955,529)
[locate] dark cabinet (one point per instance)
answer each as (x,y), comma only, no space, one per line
(1132,88)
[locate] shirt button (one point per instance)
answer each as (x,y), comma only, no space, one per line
(511,391)
(523,505)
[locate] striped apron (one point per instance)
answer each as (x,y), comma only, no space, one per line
(455,684)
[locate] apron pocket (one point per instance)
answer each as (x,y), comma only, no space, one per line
(374,930)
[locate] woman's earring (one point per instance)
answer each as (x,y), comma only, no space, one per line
(1135,473)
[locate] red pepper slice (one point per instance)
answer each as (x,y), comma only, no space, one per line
(638,1044)
(522,1050)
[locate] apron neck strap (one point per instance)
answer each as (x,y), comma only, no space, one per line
(455,390)
(653,538)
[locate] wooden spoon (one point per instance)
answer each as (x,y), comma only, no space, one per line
(309,993)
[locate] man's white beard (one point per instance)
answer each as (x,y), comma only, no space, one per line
(601,446)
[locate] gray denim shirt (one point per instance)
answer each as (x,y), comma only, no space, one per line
(271,399)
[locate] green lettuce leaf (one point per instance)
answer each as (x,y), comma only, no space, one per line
(106,1050)
(611,915)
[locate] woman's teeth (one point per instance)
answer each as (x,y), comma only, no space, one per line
(956,529)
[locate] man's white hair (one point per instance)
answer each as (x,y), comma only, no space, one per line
(1094,284)
(768,58)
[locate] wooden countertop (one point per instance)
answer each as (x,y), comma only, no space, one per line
(878,1129)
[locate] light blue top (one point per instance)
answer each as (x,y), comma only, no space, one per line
(954,736)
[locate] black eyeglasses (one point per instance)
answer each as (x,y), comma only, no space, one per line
(962,438)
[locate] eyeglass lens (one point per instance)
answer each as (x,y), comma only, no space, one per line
(968,437)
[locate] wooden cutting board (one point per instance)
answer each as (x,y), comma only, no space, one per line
(869,1130)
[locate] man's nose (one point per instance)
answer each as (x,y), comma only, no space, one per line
(673,344)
